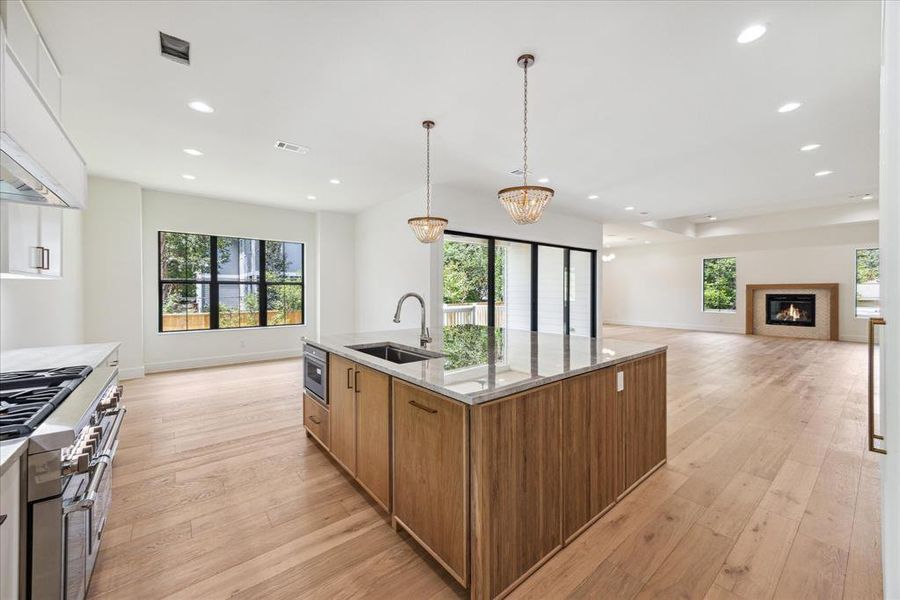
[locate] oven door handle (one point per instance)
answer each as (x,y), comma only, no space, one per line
(99,469)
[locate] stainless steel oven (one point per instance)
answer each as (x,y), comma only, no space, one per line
(315,372)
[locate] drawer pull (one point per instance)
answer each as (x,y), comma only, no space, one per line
(874,438)
(423,407)
(315,420)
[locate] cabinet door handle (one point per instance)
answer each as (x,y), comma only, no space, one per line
(46,252)
(315,420)
(872,435)
(423,407)
(349,375)
(356,382)
(40,262)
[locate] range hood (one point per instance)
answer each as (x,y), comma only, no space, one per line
(23,180)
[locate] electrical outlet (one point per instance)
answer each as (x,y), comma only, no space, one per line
(620,381)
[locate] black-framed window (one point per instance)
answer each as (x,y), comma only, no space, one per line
(519,284)
(868,287)
(720,284)
(222,282)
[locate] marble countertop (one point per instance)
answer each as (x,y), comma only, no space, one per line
(48,357)
(484,363)
(10,450)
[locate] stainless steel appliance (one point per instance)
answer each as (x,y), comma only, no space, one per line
(315,372)
(72,418)
(22,179)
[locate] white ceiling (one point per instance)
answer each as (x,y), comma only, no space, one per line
(646,104)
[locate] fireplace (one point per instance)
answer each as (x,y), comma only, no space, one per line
(797,310)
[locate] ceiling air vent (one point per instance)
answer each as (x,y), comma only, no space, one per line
(174,48)
(291,147)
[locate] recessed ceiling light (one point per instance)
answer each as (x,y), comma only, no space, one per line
(193,152)
(201,106)
(823,173)
(810,147)
(310,197)
(334,181)
(712,218)
(867,196)
(593,197)
(189,176)
(751,34)
(790,106)
(544,180)
(629,208)
(646,241)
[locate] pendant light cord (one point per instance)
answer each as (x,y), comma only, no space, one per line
(525,131)
(427,171)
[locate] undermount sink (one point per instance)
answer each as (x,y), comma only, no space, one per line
(393,353)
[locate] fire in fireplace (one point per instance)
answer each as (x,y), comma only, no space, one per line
(798,310)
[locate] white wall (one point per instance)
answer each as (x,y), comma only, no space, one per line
(889,192)
(113,271)
(390,261)
(660,285)
(335,235)
(46,312)
(165,211)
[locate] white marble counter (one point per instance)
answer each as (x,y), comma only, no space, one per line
(48,357)
(483,363)
(10,450)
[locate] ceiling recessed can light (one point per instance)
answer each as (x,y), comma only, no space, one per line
(334,181)
(193,152)
(310,197)
(712,218)
(789,106)
(629,208)
(544,180)
(823,173)
(201,106)
(751,33)
(867,196)
(188,176)
(646,241)
(810,147)
(593,197)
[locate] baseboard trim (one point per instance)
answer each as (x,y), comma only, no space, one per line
(709,329)
(131,373)
(706,328)
(218,361)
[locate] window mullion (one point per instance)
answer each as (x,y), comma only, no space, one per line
(263,290)
(213,282)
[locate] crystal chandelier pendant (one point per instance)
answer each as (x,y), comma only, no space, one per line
(525,203)
(428,229)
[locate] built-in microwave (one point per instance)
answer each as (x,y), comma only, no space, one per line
(315,372)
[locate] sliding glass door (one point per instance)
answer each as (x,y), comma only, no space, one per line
(518,284)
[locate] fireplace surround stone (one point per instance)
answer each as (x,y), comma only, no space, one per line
(826,310)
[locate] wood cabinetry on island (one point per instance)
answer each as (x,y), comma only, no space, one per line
(492,488)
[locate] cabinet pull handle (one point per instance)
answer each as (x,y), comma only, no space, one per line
(872,435)
(356,382)
(349,374)
(315,420)
(40,264)
(46,252)
(423,407)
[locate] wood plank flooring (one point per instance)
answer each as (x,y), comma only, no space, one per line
(768,492)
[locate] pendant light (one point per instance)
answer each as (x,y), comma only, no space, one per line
(525,203)
(428,229)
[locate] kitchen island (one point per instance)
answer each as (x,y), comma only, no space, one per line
(492,448)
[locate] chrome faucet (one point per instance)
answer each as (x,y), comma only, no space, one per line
(424,335)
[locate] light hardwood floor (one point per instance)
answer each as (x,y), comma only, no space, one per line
(768,491)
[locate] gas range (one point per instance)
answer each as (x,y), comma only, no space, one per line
(28,397)
(70,418)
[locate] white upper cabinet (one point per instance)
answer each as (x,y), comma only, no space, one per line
(33,135)
(30,240)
